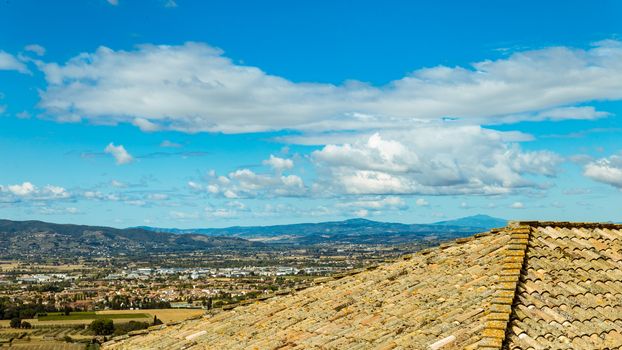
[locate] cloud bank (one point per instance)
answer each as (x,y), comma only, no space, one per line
(194,87)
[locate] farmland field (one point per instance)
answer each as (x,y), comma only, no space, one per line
(47,345)
(85,318)
(90,316)
(166,315)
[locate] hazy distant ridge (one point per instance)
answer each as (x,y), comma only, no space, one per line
(353,230)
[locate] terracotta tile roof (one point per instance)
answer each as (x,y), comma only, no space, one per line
(532,285)
(570,292)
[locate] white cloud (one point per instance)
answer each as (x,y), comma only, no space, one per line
(113,2)
(145,125)
(230,210)
(119,153)
(517,205)
(9,62)
(37,49)
(96,195)
(24,189)
(59,211)
(136,202)
(117,184)
(378,203)
(27,190)
(246,183)
(181,215)
(193,87)
(169,144)
(567,113)
(170,4)
(157,196)
(362,213)
(434,161)
(279,164)
(230,194)
(422,202)
(55,191)
(195,186)
(606,170)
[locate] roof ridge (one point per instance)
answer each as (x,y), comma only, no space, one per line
(494,333)
(565,224)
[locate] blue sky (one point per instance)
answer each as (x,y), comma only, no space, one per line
(208,114)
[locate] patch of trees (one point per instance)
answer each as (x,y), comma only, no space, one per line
(102,327)
(10,310)
(124,302)
(55,287)
(16,322)
(108,327)
(124,328)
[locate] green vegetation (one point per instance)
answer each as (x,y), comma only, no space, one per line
(102,327)
(124,328)
(86,315)
(15,322)
(11,309)
(107,327)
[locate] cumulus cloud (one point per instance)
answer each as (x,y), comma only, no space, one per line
(606,170)
(97,195)
(9,62)
(194,87)
(119,153)
(246,183)
(378,203)
(279,164)
(37,49)
(434,161)
(28,190)
(517,205)
(23,189)
(422,202)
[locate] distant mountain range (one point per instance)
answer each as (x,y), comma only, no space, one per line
(358,231)
(32,239)
(29,239)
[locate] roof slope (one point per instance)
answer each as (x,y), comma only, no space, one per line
(434,298)
(531,285)
(570,293)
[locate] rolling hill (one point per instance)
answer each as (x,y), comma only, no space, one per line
(36,238)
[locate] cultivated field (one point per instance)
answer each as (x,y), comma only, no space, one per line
(45,338)
(45,345)
(166,315)
(7,265)
(58,316)
(118,316)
